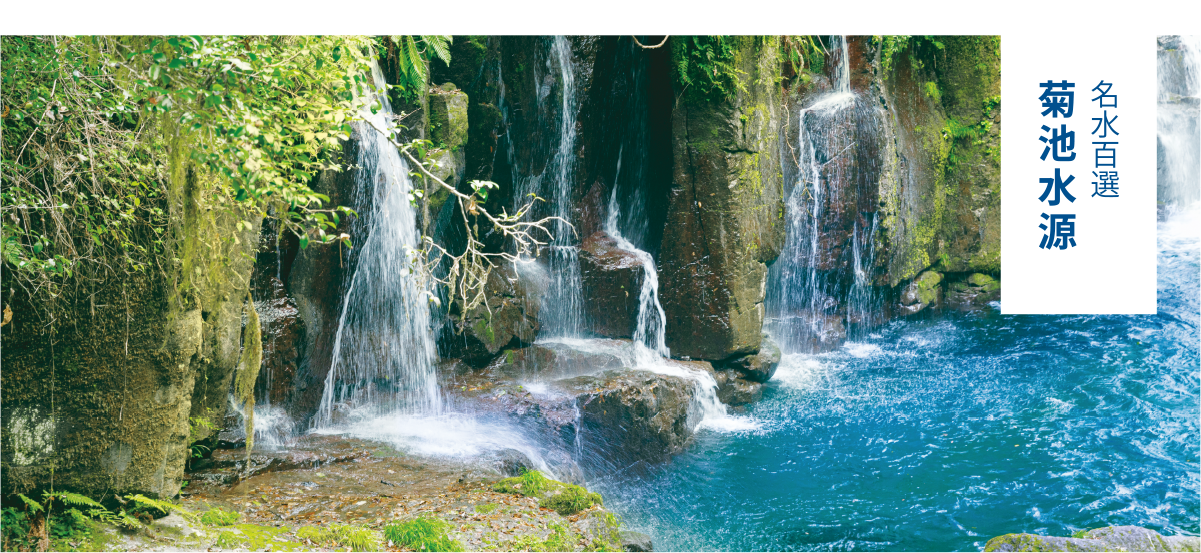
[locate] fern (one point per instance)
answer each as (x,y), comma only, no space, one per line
(164,506)
(78,500)
(34,506)
(412,53)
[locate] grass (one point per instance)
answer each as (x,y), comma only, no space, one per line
(559,539)
(530,484)
(220,517)
(423,534)
(570,500)
(357,538)
(565,499)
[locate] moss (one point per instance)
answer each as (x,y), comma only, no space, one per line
(220,517)
(484,328)
(565,499)
(1018,542)
(255,537)
(559,539)
(486,508)
(357,538)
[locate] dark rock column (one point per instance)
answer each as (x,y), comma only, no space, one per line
(724,221)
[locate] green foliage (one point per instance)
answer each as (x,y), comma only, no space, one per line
(357,538)
(14,529)
(803,54)
(570,500)
(96,130)
(70,526)
(423,533)
(157,507)
(705,67)
(891,45)
(530,484)
(565,499)
(413,54)
(559,539)
(220,517)
(932,91)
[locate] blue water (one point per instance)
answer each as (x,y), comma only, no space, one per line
(938,434)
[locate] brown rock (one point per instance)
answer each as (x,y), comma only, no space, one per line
(612,283)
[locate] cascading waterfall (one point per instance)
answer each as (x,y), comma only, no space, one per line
(809,289)
(1178,137)
(384,351)
(563,311)
(650,350)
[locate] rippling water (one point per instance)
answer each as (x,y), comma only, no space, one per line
(941,433)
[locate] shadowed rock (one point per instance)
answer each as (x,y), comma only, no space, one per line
(508,318)
(612,283)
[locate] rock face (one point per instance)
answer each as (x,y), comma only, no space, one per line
(104,402)
(724,216)
(939,188)
(1111,538)
(923,292)
(761,366)
(612,283)
(448,132)
(507,318)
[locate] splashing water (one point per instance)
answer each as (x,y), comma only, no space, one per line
(384,349)
(1178,136)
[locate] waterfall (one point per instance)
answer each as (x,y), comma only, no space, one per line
(384,352)
(650,330)
(650,350)
(1179,142)
(562,314)
(814,288)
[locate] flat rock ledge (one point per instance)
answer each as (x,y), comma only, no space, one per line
(1110,538)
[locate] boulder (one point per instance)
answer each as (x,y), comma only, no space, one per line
(636,541)
(724,219)
(508,317)
(921,293)
(612,279)
(584,391)
(760,366)
(974,292)
(735,390)
(1110,538)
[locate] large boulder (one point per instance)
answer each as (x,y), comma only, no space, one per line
(1110,538)
(974,292)
(725,210)
(585,395)
(612,280)
(508,317)
(924,291)
(760,366)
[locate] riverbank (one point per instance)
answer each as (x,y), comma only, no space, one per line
(330,493)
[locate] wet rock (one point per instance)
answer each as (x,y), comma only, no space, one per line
(922,292)
(1111,538)
(507,318)
(636,415)
(735,390)
(566,391)
(511,462)
(724,220)
(636,541)
(761,366)
(974,292)
(612,280)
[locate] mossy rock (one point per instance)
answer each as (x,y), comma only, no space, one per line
(1110,538)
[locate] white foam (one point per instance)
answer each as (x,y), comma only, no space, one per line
(862,350)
